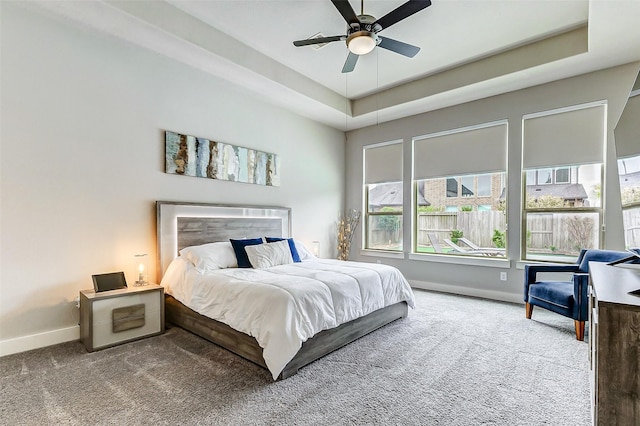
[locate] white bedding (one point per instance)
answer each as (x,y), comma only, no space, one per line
(283,306)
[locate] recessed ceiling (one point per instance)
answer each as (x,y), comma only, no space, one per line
(249,43)
(448,33)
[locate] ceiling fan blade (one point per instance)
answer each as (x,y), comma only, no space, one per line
(346,11)
(398,47)
(319,40)
(402,12)
(350,63)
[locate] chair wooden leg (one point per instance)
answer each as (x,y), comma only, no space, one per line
(529,310)
(579,329)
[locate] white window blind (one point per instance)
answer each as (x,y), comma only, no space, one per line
(569,137)
(627,131)
(383,163)
(470,151)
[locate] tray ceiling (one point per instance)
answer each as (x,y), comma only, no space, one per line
(470,49)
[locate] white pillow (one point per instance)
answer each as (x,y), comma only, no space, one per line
(303,252)
(212,256)
(270,254)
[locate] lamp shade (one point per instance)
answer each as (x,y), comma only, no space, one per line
(361,42)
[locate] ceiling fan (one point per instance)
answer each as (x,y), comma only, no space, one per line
(362,31)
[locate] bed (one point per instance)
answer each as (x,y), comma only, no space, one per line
(286,334)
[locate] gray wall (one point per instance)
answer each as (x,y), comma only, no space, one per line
(612,85)
(83,163)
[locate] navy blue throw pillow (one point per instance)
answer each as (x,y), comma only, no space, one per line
(241,253)
(292,246)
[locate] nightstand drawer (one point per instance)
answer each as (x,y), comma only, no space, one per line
(103,334)
(102,309)
(113,317)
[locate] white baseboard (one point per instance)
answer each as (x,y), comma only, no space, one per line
(40,340)
(468,291)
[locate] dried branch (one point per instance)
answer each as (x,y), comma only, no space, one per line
(346,229)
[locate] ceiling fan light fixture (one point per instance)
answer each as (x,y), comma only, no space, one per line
(362,42)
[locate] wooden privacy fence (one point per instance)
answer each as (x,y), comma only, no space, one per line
(563,233)
(548,232)
(476,226)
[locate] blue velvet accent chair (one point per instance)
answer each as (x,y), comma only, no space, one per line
(568,298)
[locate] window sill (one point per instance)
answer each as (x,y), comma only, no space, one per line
(522,263)
(462,260)
(382,253)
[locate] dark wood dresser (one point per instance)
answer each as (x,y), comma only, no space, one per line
(614,340)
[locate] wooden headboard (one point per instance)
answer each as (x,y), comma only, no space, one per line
(181,225)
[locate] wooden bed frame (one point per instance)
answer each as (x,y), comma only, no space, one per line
(185,224)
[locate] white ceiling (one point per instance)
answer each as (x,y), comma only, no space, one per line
(249,43)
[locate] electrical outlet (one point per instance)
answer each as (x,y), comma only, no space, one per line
(503,276)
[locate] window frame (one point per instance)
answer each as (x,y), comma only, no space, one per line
(593,153)
(495,137)
(626,206)
(368,214)
(568,209)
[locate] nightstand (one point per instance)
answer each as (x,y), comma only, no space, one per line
(109,318)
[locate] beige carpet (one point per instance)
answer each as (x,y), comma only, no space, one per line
(453,361)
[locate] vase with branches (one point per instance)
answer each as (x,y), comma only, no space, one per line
(347,225)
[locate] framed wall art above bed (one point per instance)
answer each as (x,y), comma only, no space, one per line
(199,157)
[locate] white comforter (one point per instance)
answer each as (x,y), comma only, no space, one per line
(283,306)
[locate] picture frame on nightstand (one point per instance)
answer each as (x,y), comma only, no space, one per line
(108,282)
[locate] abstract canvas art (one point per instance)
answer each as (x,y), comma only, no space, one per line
(199,157)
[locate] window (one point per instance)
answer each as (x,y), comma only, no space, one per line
(460,197)
(562,168)
(549,176)
(563,175)
(468,183)
(543,176)
(469,186)
(383,196)
(629,172)
(452,187)
(484,186)
(531,177)
(627,133)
